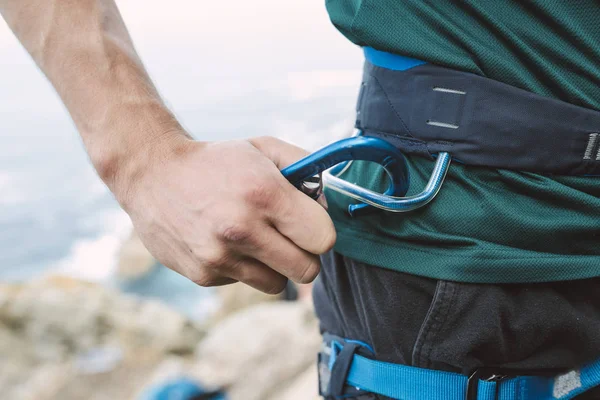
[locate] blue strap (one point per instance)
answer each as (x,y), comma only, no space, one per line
(408,383)
(340,369)
(180,389)
(391,61)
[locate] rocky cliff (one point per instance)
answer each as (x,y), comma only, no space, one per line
(64,339)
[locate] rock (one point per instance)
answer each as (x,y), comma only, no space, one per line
(61,338)
(64,338)
(75,316)
(257,351)
(135,260)
(304,387)
(235,297)
(170,369)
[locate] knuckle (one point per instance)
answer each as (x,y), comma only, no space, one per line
(205,279)
(264,141)
(236,231)
(260,193)
(259,279)
(309,272)
(236,267)
(215,259)
(276,287)
(327,241)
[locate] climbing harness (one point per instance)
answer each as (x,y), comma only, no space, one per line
(347,370)
(406,106)
(443,114)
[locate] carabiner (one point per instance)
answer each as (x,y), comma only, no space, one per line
(388,202)
(304,174)
(339,155)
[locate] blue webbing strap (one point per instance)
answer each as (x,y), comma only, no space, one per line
(394,62)
(407,383)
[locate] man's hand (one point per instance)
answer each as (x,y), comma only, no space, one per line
(214,212)
(222,212)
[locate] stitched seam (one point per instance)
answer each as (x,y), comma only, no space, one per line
(330,293)
(407,140)
(433,332)
(420,342)
(447,309)
(410,141)
(591,146)
(435,329)
(445,305)
(333,299)
(392,106)
(419,350)
(443,143)
(396,135)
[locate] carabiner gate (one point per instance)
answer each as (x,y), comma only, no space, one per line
(332,160)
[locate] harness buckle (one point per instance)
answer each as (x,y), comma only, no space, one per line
(488,374)
(498,374)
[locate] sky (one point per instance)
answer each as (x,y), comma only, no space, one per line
(227,69)
(198,50)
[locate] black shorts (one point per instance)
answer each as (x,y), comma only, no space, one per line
(458,327)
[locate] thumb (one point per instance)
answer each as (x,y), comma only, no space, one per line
(280,152)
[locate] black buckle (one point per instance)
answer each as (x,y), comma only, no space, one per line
(496,374)
(485,374)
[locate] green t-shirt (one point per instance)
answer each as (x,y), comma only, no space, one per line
(486,225)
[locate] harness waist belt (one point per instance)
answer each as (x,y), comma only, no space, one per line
(425,109)
(346,370)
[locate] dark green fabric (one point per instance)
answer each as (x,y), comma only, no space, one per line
(486,225)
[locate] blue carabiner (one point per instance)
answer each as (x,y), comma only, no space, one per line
(330,161)
(355,148)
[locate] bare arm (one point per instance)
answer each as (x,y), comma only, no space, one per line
(85,50)
(215,212)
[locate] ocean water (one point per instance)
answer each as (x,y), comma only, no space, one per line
(56,216)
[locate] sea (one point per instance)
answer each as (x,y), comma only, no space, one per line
(282,79)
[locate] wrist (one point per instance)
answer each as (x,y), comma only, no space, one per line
(123,164)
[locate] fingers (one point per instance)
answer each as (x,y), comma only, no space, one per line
(304,222)
(255,227)
(280,152)
(297,216)
(276,251)
(259,276)
(246,270)
(256,239)
(220,281)
(322,200)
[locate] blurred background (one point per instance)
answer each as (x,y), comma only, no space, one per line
(85,313)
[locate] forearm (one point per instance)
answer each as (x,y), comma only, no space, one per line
(256,228)
(85,50)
